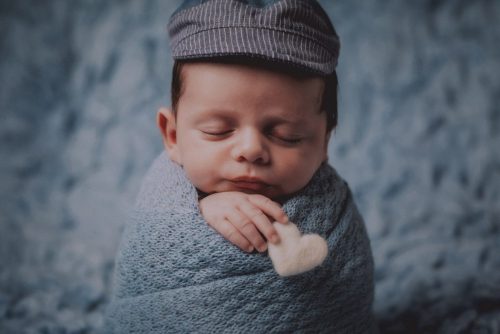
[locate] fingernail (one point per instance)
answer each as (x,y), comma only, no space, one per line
(250,249)
(262,248)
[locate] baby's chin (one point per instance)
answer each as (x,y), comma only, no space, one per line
(274,193)
(268,194)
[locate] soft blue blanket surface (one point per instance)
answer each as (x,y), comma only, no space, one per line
(174,273)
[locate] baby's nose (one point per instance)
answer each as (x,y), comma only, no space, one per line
(251,147)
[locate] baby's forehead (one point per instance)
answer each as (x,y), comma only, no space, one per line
(220,93)
(276,78)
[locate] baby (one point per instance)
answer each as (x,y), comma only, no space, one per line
(253,107)
(246,136)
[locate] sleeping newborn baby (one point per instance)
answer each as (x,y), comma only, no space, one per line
(246,144)
(245,136)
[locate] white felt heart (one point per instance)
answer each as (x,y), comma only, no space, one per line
(296,253)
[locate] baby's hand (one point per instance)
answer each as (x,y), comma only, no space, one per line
(239,217)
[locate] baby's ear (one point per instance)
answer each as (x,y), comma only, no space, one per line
(165,120)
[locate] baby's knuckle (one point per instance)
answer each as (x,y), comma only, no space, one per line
(246,224)
(256,213)
(232,234)
(262,199)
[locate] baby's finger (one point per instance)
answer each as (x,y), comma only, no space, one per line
(261,221)
(231,233)
(247,228)
(269,207)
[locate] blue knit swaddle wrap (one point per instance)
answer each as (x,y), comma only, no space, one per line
(175,274)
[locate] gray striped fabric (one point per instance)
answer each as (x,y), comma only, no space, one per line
(292,31)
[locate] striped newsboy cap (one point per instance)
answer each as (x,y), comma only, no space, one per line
(297,32)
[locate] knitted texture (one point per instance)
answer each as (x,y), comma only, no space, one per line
(174,273)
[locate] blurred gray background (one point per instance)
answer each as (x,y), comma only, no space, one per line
(418,141)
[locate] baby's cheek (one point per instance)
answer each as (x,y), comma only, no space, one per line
(200,177)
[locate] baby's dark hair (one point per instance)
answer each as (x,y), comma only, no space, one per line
(328,100)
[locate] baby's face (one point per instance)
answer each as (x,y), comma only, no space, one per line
(246,129)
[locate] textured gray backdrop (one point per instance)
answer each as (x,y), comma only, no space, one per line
(418,141)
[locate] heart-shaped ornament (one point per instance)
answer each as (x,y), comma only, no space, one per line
(296,253)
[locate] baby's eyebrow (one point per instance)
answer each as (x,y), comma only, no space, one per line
(216,112)
(214,115)
(281,120)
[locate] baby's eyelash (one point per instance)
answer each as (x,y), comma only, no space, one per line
(216,133)
(292,140)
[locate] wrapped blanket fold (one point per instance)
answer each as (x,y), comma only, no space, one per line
(175,274)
